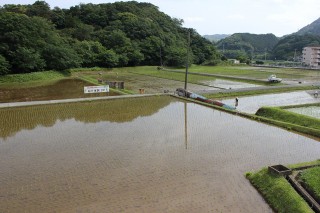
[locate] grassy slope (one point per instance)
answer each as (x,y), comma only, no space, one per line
(278,192)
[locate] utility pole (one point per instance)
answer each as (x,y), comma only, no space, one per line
(187,65)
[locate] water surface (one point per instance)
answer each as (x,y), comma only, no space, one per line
(251,104)
(312,111)
(137,155)
(225,84)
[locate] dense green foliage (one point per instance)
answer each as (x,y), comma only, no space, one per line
(244,45)
(278,192)
(311,178)
(35,37)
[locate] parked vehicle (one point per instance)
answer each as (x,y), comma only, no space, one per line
(274,79)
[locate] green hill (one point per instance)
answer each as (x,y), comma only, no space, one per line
(313,29)
(35,37)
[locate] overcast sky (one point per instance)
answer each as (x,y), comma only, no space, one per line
(279,17)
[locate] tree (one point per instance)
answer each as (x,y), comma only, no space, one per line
(27,60)
(39,8)
(4,66)
(60,57)
(108,58)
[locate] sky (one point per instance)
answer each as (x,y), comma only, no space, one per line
(208,17)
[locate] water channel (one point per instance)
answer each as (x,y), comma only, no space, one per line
(155,154)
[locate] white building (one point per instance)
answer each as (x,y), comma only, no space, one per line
(311,56)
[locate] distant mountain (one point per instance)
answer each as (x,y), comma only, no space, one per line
(247,44)
(216,37)
(313,29)
(290,46)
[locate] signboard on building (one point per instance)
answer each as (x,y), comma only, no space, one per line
(96,89)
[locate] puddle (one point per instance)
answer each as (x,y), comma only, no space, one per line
(252,103)
(63,89)
(225,84)
(312,111)
(137,155)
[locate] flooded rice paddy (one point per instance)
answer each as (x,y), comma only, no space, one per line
(155,154)
(312,111)
(251,104)
(63,89)
(225,84)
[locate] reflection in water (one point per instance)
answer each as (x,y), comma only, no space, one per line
(120,110)
(129,162)
(62,89)
(186,124)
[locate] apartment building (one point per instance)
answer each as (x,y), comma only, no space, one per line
(311,56)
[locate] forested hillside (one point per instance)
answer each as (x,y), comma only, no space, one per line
(313,28)
(243,45)
(36,37)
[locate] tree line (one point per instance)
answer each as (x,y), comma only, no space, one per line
(36,37)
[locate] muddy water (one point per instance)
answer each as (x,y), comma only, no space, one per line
(174,157)
(253,103)
(313,111)
(63,89)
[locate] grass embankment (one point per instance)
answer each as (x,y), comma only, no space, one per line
(290,120)
(278,192)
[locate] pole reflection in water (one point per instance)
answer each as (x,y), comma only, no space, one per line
(185,125)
